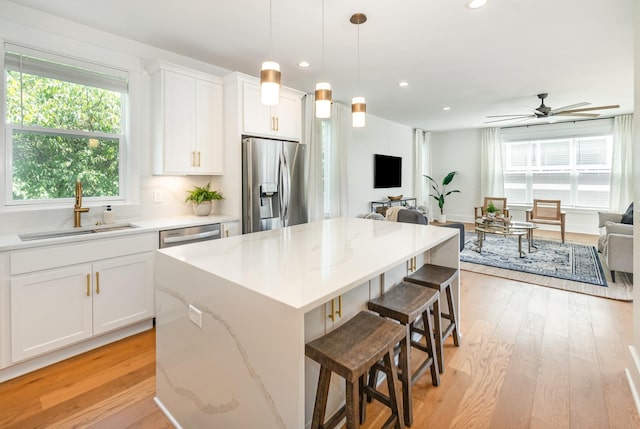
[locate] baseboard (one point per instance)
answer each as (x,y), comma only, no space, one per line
(635,389)
(30,365)
(166,412)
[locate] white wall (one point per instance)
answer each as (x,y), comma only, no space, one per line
(383,137)
(24,26)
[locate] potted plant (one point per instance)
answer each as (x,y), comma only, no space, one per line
(491,209)
(440,192)
(201,198)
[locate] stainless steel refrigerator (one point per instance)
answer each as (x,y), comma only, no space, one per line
(274,189)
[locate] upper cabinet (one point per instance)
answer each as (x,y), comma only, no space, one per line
(283,120)
(187,108)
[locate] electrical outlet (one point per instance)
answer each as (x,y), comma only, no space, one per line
(157,197)
(195,316)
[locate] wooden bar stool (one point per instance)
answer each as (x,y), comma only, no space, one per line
(349,351)
(405,303)
(440,278)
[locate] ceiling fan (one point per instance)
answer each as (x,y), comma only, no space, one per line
(543,111)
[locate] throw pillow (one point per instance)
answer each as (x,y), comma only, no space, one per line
(627,217)
(608,217)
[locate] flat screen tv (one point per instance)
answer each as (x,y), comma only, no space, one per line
(387,171)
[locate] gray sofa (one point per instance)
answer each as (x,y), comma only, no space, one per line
(615,243)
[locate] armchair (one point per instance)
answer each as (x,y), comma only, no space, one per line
(615,243)
(547,212)
(499,202)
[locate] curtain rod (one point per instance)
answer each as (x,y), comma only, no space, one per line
(560,122)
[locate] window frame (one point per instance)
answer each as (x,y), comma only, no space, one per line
(123,137)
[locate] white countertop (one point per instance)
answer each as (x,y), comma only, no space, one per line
(306,265)
(13,241)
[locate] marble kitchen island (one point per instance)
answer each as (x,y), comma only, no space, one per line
(258,298)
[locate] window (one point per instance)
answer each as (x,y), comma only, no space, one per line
(574,170)
(65,121)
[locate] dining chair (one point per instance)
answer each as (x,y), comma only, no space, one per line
(547,212)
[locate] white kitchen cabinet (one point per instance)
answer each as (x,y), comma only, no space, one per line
(283,120)
(229,229)
(187,121)
(54,308)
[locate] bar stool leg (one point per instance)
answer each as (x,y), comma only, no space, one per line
(453,317)
(405,376)
(392,386)
(438,335)
(322,393)
(429,337)
(353,400)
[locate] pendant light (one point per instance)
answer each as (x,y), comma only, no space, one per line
(323,89)
(270,73)
(358,105)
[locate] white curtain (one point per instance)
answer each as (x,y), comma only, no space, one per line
(340,125)
(621,185)
(491,170)
(422,165)
(313,138)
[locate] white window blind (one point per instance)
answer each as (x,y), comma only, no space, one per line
(575,170)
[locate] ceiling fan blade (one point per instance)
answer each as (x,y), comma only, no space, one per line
(511,119)
(511,116)
(584,115)
(571,106)
(586,109)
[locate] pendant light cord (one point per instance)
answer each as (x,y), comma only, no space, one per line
(270,31)
(323,63)
(358,57)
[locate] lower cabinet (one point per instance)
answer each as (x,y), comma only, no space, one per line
(54,308)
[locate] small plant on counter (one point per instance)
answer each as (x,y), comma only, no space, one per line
(202,193)
(201,197)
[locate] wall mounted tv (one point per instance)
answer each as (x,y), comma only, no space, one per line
(387,171)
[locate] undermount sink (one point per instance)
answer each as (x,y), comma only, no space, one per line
(58,233)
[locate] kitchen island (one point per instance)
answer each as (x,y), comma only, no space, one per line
(233,315)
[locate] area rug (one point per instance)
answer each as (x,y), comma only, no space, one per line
(569,266)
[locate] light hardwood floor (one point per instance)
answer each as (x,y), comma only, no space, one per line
(531,357)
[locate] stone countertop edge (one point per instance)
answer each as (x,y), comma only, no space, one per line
(13,241)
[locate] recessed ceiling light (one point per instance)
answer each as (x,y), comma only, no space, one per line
(303,64)
(446,108)
(403,84)
(476,4)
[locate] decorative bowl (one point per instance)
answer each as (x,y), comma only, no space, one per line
(395,198)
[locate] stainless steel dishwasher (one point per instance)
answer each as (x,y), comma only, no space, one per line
(192,234)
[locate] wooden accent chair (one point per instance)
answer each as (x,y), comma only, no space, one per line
(547,212)
(499,202)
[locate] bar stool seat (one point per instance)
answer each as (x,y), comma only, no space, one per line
(350,351)
(440,278)
(405,303)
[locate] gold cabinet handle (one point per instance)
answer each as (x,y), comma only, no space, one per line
(333,310)
(226,233)
(277,124)
(340,306)
(193,159)
(198,152)
(97,282)
(88,284)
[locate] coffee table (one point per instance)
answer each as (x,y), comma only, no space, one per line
(508,228)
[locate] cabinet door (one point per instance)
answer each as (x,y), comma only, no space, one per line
(178,120)
(256,117)
(123,292)
(208,128)
(229,229)
(288,116)
(49,310)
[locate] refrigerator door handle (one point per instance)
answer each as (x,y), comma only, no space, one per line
(285,189)
(281,191)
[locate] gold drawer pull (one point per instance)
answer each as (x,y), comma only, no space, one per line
(88,284)
(97,282)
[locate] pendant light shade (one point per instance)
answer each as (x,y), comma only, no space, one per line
(270,83)
(270,73)
(323,100)
(358,112)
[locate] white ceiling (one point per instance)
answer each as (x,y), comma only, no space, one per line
(489,61)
